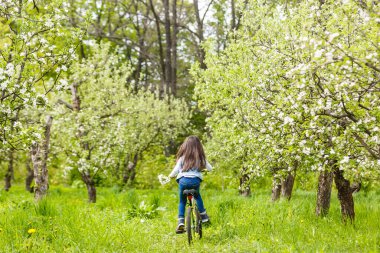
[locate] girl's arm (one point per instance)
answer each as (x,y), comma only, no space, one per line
(176,169)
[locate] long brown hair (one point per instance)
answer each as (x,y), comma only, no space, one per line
(193,155)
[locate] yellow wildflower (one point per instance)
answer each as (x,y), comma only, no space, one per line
(31,231)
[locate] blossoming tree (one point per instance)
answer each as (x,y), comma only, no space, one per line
(301,88)
(34,48)
(102,118)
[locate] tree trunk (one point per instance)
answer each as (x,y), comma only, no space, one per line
(240,15)
(201,52)
(91,189)
(10,171)
(233,19)
(39,154)
(161,50)
(344,194)
(168,64)
(129,170)
(138,68)
(82,53)
(287,185)
(276,185)
(75,97)
(146,25)
(324,193)
(276,190)
(174,49)
(29,177)
(141,48)
(244,187)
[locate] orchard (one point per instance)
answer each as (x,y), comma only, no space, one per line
(98,96)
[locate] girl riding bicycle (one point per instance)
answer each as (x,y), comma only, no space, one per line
(191,161)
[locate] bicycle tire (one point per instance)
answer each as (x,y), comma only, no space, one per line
(188,224)
(198,222)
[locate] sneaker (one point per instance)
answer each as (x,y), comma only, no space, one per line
(181,226)
(204,217)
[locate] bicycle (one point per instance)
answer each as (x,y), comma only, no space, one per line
(193,221)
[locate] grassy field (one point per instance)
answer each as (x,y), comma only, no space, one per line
(145,220)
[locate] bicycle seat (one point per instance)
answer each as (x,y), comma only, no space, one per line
(190,192)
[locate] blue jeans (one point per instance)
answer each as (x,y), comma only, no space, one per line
(189,183)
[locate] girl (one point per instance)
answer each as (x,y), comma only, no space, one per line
(191,160)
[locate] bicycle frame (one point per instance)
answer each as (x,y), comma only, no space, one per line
(190,201)
(195,225)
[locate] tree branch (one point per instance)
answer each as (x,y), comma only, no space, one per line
(365,145)
(60,101)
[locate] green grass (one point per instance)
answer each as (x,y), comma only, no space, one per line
(145,220)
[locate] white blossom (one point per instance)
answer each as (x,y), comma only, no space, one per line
(318,53)
(345,159)
(49,23)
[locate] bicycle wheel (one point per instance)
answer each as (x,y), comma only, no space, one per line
(198,222)
(188,224)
